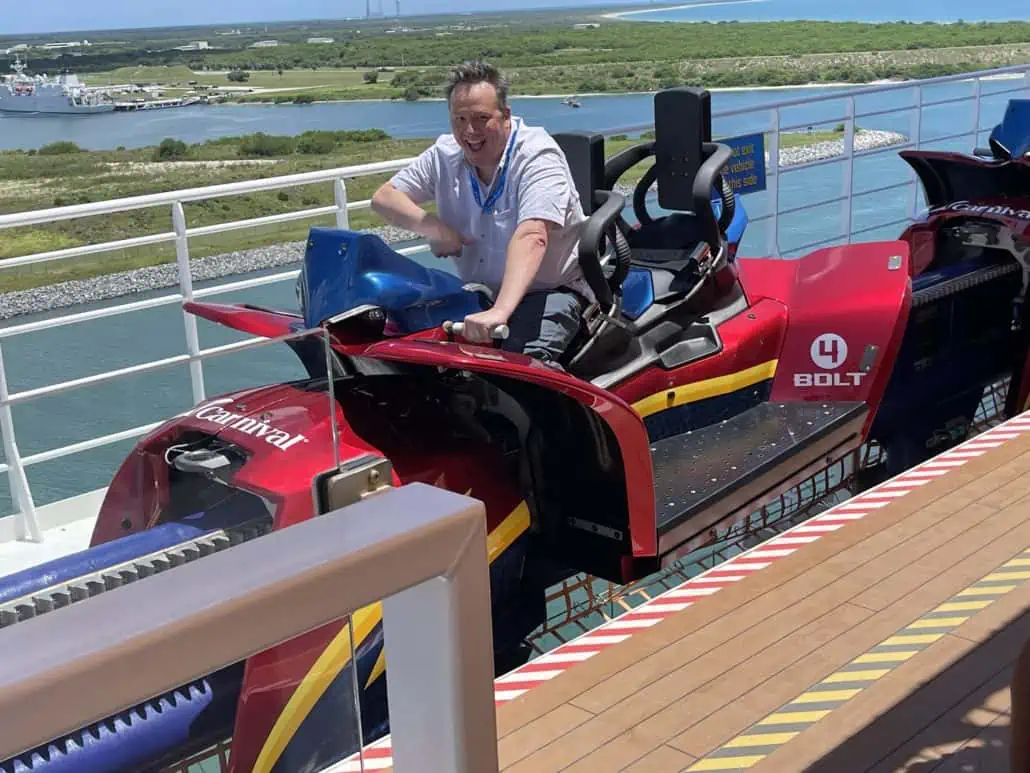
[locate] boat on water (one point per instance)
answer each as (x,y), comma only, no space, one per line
(66,94)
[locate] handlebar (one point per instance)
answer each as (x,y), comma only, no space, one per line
(500,332)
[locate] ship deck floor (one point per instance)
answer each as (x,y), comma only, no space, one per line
(887,644)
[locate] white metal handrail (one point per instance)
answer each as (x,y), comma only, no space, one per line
(181,233)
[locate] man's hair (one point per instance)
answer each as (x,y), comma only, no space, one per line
(470,73)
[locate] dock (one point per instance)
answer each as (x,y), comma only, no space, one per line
(877,636)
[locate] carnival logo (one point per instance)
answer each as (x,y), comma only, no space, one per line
(983,209)
(214,413)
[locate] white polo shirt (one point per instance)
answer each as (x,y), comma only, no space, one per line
(538,184)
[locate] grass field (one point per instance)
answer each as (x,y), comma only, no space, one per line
(181,75)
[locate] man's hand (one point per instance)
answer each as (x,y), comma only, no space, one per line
(444,240)
(480,325)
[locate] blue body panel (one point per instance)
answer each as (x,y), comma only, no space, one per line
(1014,130)
(346,269)
(161,537)
(193,716)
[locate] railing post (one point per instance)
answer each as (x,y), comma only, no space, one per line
(182,258)
(918,136)
(28,526)
(1026,81)
(774,190)
(849,170)
(977,96)
(342,215)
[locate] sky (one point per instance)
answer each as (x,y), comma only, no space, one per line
(60,15)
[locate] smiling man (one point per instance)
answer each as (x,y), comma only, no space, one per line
(507,212)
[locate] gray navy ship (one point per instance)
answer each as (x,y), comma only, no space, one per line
(22,93)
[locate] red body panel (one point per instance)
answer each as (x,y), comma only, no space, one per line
(841,301)
(259,322)
(299,421)
(623,420)
(748,339)
(287,429)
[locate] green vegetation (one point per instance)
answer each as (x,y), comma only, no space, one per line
(542,53)
(30,180)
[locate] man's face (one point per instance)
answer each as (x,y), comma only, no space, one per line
(478,124)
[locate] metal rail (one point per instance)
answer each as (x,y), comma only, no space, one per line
(770,113)
(419,549)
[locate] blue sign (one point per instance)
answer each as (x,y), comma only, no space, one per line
(746,170)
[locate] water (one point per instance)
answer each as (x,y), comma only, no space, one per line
(397,118)
(820,10)
(37,359)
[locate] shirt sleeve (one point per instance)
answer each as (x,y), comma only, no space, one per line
(419,178)
(544,189)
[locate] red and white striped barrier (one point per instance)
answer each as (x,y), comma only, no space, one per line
(378,755)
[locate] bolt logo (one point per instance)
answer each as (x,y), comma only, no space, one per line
(829,351)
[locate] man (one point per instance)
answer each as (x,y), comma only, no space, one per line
(508,212)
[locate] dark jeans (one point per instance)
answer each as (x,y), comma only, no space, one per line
(544,324)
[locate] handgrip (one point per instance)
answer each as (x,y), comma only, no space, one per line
(500,332)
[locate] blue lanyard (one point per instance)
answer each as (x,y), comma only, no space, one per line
(495,194)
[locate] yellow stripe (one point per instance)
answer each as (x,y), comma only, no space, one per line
(316,681)
(701,390)
(507,531)
(727,763)
(761,739)
(996,590)
(885,657)
(915,638)
(378,668)
(336,655)
(794,717)
(1018,562)
(856,676)
(1000,576)
(826,696)
(964,606)
(939,622)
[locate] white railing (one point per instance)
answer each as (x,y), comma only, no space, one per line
(771,122)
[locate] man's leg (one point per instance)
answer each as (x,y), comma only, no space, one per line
(544,324)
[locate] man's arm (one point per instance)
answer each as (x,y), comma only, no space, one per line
(397,202)
(544,194)
(399,209)
(522,262)
(543,199)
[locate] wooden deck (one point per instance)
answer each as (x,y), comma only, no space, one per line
(884,646)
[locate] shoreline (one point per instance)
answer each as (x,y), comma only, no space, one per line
(77,292)
(513,97)
(714,90)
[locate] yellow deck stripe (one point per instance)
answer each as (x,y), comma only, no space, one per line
(794,717)
(753,737)
(964,606)
(856,676)
(760,739)
(727,763)
(702,390)
(997,590)
(914,638)
(938,622)
(1002,576)
(885,657)
(826,696)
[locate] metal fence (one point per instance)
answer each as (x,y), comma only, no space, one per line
(770,120)
(420,549)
